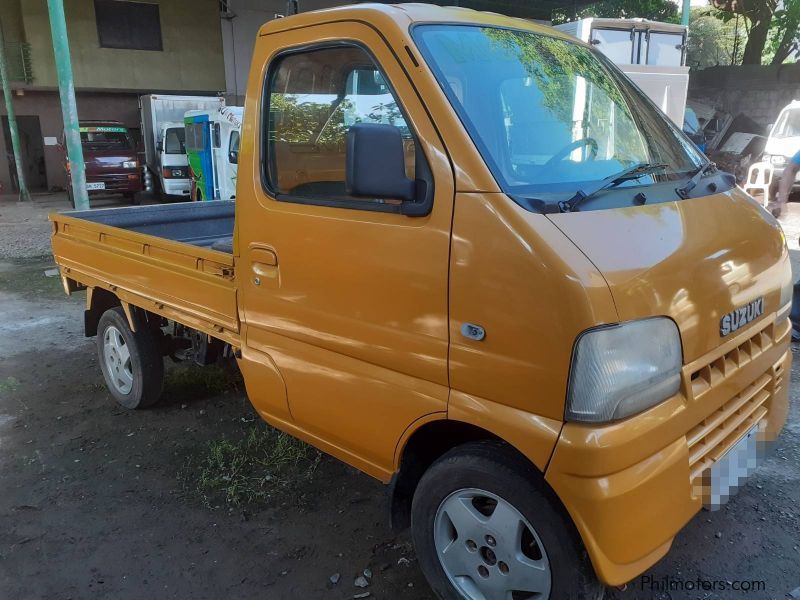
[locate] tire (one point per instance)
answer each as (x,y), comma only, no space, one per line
(547,557)
(132,363)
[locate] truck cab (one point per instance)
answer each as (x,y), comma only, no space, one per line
(166,165)
(171,148)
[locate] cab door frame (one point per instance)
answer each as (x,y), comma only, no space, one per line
(395,355)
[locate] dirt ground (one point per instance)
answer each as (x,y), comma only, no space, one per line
(94,500)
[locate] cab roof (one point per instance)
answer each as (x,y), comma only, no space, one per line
(405,15)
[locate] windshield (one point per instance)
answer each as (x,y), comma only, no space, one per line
(788,124)
(549,115)
(174,141)
(105,138)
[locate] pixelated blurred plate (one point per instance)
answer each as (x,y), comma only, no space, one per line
(731,470)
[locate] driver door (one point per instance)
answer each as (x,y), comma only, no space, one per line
(348,297)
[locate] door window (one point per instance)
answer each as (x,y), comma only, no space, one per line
(174,141)
(314,97)
(665,49)
(216,140)
(233,147)
(616,44)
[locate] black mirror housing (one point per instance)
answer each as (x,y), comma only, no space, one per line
(233,157)
(375,163)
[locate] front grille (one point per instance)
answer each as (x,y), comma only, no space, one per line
(717,432)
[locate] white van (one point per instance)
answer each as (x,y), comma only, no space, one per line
(784,142)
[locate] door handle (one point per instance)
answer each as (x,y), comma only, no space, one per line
(263,262)
(265,256)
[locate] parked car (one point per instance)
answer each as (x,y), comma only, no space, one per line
(212,149)
(112,164)
(555,333)
(166,164)
(783,143)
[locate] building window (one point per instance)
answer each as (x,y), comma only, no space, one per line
(128,25)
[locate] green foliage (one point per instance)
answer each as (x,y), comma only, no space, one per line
(783,44)
(769,30)
(253,469)
(656,10)
(9,384)
(712,39)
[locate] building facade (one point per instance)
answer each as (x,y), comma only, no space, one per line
(122,49)
(119,50)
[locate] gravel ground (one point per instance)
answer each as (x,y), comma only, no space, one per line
(24,228)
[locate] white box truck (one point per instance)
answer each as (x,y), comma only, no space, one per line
(652,54)
(166,169)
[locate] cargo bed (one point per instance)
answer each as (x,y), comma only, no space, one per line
(175,260)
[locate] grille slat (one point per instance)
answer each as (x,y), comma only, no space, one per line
(717,432)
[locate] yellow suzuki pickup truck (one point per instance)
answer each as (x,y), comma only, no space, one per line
(468,257)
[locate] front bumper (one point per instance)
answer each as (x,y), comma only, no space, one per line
(777,175)
(631,486)
(177,187)
(124,183)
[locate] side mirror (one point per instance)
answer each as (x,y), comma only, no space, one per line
(233,157)
(159,147)
(375,163)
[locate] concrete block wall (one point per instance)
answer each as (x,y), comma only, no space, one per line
(760,92)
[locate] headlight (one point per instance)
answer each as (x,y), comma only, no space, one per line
(130,164)
(777,159)
(624,369)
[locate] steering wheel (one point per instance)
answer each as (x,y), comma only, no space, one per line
(567,150)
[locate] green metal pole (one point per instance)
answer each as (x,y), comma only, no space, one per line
(24,196)
(69,109)
(685,16)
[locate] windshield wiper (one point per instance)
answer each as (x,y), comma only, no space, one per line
(694,179)
(634,172)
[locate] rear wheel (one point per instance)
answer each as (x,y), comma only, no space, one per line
(484,530)
(132,363)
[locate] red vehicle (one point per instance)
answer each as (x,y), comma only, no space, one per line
(112,163)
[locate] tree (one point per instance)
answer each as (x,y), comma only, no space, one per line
(713,39)
(785,35)
(759,13)
(656,10)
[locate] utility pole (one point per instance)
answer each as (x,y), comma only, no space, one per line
(69,109)
(24,196)
(687,4)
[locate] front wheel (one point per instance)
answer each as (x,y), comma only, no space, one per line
(132,363)
(483,529)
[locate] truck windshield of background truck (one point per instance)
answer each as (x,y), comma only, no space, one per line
(105,138)
(788,124)
(174,141)
(549,116)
